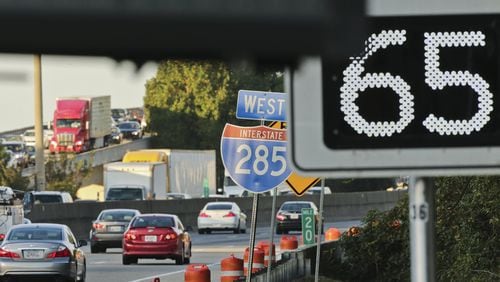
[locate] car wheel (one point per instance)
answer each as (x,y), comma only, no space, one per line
(126,260)
(102,250)
(208,231)
(94,249)
(201,231)
(180,259)
(237,229)
(278,231)
(84,273)
(187,260)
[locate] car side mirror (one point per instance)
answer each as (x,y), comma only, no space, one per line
(189,228)
(82,243)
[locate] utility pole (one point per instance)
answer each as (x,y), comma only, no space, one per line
(39,148)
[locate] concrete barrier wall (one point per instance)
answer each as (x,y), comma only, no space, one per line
(337,206)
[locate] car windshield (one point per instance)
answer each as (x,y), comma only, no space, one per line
(297,207)
(128,125)
(35,234)
(72,123)
(153,221)
(219,207)
(48,199)
(124,216)
(117,194)
(15,148)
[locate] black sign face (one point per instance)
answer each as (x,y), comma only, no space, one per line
(418,82)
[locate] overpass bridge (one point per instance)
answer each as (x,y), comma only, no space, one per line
(97,158)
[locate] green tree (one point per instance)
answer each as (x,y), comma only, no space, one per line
(62,173)
(467,236)
(10,176)
(188,103)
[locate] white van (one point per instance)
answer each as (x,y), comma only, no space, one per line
(44,197)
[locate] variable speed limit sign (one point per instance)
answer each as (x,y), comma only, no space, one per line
(420,96)
(255,157)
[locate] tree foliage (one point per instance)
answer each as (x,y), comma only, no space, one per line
(188,103)
(10,176)
(62,173)
(467,241)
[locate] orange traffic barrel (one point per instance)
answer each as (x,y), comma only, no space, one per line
(289,243)
(197,273)
(258,260)
(265,245)
(231,269)
(332,234)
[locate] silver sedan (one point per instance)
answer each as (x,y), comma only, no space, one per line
(48,251)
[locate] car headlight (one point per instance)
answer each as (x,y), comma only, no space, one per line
(135,132)
(78,143)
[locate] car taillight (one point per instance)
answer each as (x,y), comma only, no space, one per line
(2,237)
(203,215)
(97,226)
(230,214)
(170,236)
(130,236)
(8,254)
(280,217)
(62,252)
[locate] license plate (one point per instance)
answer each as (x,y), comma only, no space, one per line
(115,228)
(294,216)
(33,254)
(150,238)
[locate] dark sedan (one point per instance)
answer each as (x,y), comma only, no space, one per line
(289,216)
(43,251)
(130,129)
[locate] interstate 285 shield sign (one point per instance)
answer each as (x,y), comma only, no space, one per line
(255,157)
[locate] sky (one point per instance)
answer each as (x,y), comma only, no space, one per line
(66,76)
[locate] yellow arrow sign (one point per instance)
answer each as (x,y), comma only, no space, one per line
(299,184)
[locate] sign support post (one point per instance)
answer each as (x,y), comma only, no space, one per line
(422,235)
(320,227)
(271,240)
(252,236)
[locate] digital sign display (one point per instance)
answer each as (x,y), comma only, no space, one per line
(418,82)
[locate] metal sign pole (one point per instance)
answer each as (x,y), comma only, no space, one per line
(252,236)
(273,215)
(320,227)
(422,222)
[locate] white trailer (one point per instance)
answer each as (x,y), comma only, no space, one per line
(135,181)
(188,171)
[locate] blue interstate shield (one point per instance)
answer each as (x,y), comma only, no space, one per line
(255,157)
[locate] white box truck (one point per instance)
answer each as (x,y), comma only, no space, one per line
(191,172)
(135,181)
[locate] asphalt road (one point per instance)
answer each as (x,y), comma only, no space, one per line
(208,249)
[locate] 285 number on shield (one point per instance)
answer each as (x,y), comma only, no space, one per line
(260,164)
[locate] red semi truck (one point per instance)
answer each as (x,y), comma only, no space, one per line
(81,124)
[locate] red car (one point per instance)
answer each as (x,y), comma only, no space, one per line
(158,236)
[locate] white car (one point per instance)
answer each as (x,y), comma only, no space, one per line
(29,137)
(222,216)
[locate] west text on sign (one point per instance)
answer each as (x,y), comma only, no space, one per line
(261,105)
